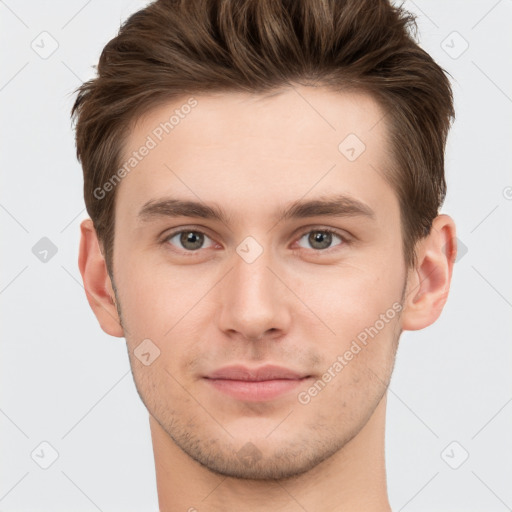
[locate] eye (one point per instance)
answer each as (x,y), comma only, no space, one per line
(192,240)
(320,239)
(189,239)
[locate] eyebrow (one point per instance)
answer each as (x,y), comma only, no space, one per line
(340,205)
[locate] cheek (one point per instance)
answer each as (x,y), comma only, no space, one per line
(348,300)
(150,295)
(357,361)
(168,306)
(362,307)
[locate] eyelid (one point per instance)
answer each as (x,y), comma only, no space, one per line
(335,231)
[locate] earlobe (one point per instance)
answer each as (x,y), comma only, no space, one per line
(429,283)
(97,284)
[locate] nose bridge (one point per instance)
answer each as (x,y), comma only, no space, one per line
(252,299)
(253,281)
(253,277)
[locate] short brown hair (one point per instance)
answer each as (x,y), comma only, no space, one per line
(175,48)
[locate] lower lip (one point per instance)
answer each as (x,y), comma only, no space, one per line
(255,391)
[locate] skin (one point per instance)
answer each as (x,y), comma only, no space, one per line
(296,305)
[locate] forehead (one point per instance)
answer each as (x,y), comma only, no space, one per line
(241,148)
(309,116)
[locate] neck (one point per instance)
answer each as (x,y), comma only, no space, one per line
(353,479)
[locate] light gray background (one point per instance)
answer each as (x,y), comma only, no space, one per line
(65,382)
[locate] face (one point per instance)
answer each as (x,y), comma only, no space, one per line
(301,267)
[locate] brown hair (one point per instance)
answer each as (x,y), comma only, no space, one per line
(175,48)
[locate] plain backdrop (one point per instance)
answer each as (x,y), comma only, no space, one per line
(66,384)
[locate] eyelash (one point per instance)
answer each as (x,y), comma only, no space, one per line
(344,239)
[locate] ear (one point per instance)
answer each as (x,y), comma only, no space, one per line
(428,283)
(97,284)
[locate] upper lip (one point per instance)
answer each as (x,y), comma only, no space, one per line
(267,372)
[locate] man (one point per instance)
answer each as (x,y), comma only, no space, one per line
(264,182)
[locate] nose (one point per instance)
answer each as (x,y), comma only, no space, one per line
(254,302)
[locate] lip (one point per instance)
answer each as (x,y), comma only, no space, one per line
(267,372)
(255,384)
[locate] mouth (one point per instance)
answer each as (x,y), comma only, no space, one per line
(257,384)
